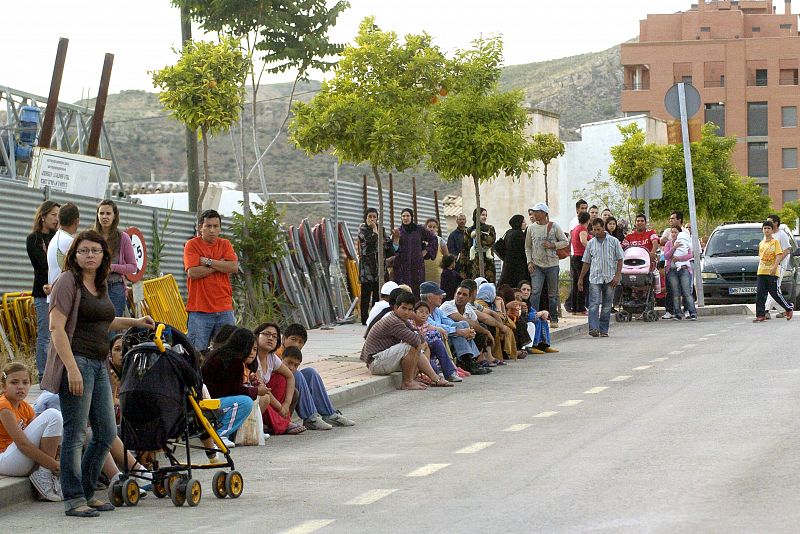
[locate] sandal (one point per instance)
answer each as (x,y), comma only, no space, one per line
(91,512)
(100,506)
(295,429)
(442,383)
(499,362)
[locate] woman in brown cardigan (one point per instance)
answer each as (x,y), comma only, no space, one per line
(81,315)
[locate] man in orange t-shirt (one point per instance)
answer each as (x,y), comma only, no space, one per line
(209,261)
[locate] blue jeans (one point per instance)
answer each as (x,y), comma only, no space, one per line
(202,326)
(600,293)
(462,346)
(116,292)
(538,277)
(680,283)
(79,472)
(42,333)
(314,398)
(439,354)
(235,410)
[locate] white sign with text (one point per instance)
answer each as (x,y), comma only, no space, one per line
(69,173)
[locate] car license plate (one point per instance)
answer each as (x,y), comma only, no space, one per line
(741,290)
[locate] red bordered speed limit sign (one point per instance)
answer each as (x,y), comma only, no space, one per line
(139,252)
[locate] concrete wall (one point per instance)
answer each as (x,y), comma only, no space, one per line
(590,158)
(506,197)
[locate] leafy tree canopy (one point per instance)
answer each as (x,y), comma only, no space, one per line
(634,160)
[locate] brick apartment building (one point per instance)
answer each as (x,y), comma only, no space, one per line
(743,58)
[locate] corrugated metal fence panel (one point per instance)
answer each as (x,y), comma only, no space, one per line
(351,204)
(19,204)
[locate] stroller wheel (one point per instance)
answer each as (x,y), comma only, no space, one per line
(218,485)
(168,483)
(177,491)
(234,484)
(115,493)
(130,492)
(623,316)
(193,492)
(159,488)
(651,316)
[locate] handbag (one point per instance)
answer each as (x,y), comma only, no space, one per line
(562,253)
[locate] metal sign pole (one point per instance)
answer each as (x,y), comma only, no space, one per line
(687,160)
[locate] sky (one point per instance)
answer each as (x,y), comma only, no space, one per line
(142,34)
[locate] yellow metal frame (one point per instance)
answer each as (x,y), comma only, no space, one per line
(163,302)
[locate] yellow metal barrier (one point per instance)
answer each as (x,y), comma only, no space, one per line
(163,302)
(18,317)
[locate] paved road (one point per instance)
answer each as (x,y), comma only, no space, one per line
(696,431)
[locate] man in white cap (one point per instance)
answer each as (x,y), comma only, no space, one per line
(541,241)
(382,304)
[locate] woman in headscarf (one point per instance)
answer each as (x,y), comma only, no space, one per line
(515,264)
(469,258)
(413,245)
(505,346)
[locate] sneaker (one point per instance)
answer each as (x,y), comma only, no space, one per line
(692,317)
(686,314)
(42,480)
(767,316)
(454,378)
(266,436)
(337,419)
(228,443)
(57,486)
(603,334)
(315,422)
(677,318)
(667,316)
(594,333)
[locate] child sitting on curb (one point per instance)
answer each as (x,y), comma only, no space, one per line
(314,406)
(25,439)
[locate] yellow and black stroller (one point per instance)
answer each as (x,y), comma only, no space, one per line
(161,411)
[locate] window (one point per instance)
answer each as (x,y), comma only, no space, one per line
(705,29)
(789,116)
(686,79)
(716,113)
(789,158)
(789,195)
(756,29)
(786,27)
(757,160)
(761,77)
(757,118)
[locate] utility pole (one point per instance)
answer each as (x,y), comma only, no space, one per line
(192,171)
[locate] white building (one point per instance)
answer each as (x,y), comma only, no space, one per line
(589,158)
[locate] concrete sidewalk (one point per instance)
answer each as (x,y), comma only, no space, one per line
(335,355)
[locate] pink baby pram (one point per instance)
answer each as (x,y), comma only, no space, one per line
(638,296)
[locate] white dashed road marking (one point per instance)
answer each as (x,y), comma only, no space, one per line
(573,402)
(594,390)
(620,378)
(702,339)
(689,346)
(708,335)
(641,368)
(657,360)
(542,415)
(426,470)
(475,447)
(518,427)
(675,352)
(309,526)
(370,497)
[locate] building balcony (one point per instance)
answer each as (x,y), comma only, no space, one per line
(790,81)
(714,83)
(642,86)
(757,82)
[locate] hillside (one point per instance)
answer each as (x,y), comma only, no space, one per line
(582,88)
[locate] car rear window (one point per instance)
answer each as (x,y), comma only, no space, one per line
(734,242)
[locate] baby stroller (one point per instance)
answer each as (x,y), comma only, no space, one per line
(638,296)
(161,406)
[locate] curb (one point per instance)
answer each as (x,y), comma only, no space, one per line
(15,490)
(353,393)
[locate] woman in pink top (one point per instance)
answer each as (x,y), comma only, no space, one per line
(123,259)
(677,254)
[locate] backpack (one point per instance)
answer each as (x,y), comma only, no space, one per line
(562,253)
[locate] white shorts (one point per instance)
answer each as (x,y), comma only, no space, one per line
(13,462)
(388,361)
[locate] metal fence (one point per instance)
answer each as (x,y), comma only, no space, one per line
(347,204)
(18,204)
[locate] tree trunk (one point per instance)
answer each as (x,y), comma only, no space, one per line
(381,260)
(201,198)
(546,194)
(247,271)
(478,229)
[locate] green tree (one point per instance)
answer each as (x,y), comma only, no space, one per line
(634,159)
(546,147)
(479,131)
(374,110)
(720,192)
(204,90)
(278,36)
